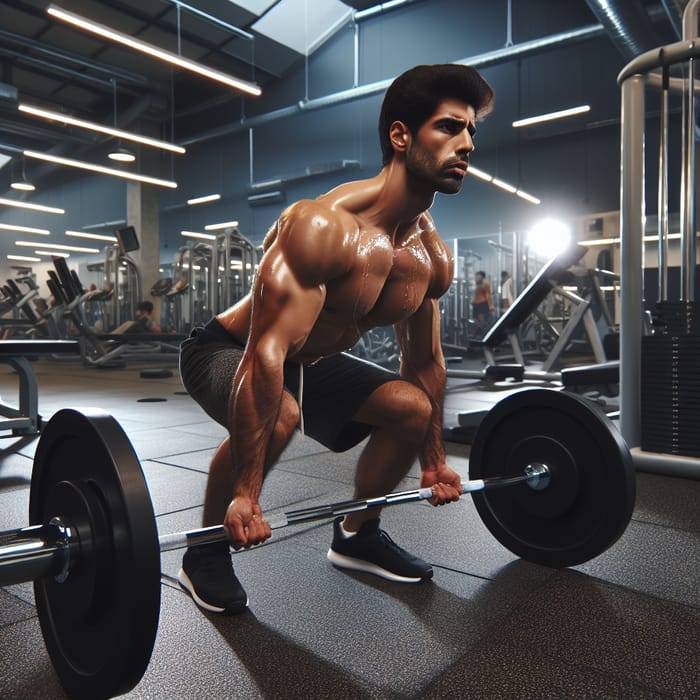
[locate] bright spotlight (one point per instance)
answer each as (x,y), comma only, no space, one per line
(549,237)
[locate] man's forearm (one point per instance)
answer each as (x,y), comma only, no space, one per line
(432,381)
(254,407)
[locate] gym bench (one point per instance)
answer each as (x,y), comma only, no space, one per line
(26,420)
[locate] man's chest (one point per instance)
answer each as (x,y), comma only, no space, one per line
(385,284)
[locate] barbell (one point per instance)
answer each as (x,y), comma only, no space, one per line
(553,482)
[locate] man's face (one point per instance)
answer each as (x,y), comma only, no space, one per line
(438,155)
(479,278)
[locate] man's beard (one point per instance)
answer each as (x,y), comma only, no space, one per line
(425,171)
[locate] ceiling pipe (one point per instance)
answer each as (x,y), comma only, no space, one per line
(484,60)
(52,68)
(67,57)
(628,25)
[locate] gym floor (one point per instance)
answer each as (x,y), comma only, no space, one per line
(626,625)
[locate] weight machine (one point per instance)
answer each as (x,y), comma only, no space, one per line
(659,373)
(123,278)
(233,268)
(190,294)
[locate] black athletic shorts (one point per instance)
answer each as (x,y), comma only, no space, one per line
(334,389)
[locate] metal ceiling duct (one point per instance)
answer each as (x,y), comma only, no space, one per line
(490,58)
(628,25)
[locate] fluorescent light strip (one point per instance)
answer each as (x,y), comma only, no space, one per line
(92,126)
(52,253)
(94,236)
(82,165)
(25,229)
(196,234)
(30,205)
(504,185)
(528,197)
(205,198)
(222,225)
(23,258)
(612,241)
(475,172)
(551,116)
(57,246)
(480,174)
(167,56)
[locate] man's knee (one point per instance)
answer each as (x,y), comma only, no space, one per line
(407,409)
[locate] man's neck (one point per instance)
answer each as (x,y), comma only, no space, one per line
(398,204)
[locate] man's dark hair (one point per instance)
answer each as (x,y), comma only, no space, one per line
(414,96)
(480,272)
(505,273)
(146,306)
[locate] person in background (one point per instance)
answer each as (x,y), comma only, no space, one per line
(483,302)
(507,295)
(142,323)
(144,318)
(40,307)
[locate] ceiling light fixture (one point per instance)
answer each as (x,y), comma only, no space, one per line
(30,205)
(23,258)
(222,225)
(82,165)
(52,253)
(203,199)
(93,236)
(161,54)
(121,154)
(528,197)
(613,241)
(196,234)
(504,185)
(22,185)
(551,116)
(475,172)
(25,229)
(58,246)
(92,126)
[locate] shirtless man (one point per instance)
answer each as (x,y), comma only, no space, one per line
(483,302)
(366,254)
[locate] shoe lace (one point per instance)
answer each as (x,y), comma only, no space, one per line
(389,543)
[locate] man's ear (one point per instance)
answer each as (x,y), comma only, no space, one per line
(400,136)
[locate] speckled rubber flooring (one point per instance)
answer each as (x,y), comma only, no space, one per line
(625,625)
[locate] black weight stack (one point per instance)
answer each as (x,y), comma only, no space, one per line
(670,388)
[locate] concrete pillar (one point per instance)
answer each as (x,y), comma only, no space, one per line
(142,212)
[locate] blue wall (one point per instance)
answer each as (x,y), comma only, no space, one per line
(574,172)
(571,165)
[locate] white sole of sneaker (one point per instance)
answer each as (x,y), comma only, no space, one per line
(185,582)
(353,564)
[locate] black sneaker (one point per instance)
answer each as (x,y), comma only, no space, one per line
(373,551)
(207,575)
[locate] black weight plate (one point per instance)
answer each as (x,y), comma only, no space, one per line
(590,498)
(100,624)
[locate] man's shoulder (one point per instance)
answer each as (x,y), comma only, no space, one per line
(318,212)
(317,240)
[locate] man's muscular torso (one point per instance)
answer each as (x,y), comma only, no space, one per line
(367,276)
